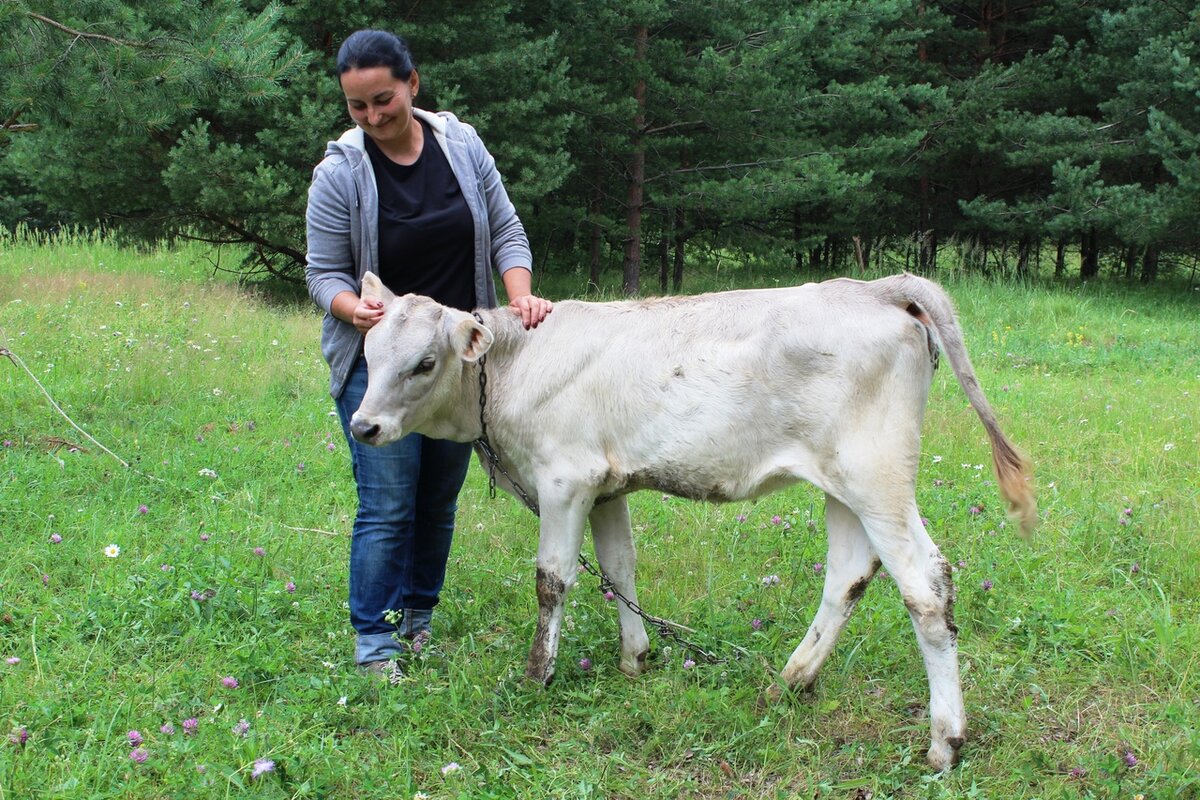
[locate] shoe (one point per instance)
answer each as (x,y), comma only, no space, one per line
(387,669)
(419,640)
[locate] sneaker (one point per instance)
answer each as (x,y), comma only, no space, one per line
(387,669)
(419,640)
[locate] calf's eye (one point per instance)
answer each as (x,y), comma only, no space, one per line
(426,365)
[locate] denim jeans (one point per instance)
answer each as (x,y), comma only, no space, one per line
(407,497)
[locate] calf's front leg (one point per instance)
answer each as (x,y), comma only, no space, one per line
(559,542)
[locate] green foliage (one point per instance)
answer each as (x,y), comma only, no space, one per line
(765,128)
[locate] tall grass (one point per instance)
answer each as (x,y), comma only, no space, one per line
(1079,649)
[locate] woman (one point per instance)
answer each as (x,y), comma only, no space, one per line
(415,198)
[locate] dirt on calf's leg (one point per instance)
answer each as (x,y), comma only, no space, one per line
(551,591)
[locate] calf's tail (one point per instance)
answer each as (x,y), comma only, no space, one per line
(929,303)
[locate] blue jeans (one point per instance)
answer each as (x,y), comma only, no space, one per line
(407,497)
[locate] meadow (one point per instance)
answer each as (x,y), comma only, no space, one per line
(172,593)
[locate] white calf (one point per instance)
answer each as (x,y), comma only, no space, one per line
(715,397)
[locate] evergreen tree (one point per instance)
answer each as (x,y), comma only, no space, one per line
(96,94)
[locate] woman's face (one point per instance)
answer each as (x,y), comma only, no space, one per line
(379,102)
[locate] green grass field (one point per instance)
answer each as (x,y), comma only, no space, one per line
(1080,649)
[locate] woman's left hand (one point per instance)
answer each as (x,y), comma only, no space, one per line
(533,309)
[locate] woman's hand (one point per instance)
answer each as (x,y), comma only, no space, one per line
(361,312)
(367,313)
(518,285)
(532,309)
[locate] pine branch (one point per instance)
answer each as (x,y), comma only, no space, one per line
(82,34)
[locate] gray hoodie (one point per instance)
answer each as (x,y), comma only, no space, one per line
(343,227)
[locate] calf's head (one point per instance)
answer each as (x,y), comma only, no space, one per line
(415,360)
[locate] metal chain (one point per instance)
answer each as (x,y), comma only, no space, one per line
(664,627)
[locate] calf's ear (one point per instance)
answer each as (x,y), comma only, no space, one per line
(373,288)
(470,339)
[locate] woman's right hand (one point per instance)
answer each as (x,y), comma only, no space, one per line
(361,312)
(367,313)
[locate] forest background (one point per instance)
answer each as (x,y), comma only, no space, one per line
(1058,137)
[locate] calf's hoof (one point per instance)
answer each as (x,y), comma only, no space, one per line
(944,755)
(633,666)
(539,673)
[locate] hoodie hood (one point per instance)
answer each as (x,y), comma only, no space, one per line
(352,144)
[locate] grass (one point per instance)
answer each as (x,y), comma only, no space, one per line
(1079,662)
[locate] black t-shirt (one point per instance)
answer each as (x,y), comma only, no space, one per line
(426,233)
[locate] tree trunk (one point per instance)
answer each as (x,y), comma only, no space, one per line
(1024,249)
(1060,264)
(1131,258)
(923,226)
(1150,264)
(664,258)
(797,218)
(859,261)
(1089,256)
(680,240)
(637,170)
(597,235)
(927,254)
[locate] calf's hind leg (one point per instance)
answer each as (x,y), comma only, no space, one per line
(849,566)
(923,577)
(613,538)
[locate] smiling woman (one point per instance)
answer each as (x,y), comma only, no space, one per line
(380,98)
(430,216)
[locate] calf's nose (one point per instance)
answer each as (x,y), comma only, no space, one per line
(362,430)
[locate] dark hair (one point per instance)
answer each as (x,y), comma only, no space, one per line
(370,48)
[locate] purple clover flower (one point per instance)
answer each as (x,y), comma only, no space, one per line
(138,755)
(190,726)
(261,767)
(229,682)
(55,538)
(585,664)
(135,738)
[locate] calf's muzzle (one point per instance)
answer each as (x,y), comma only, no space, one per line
(363,430)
